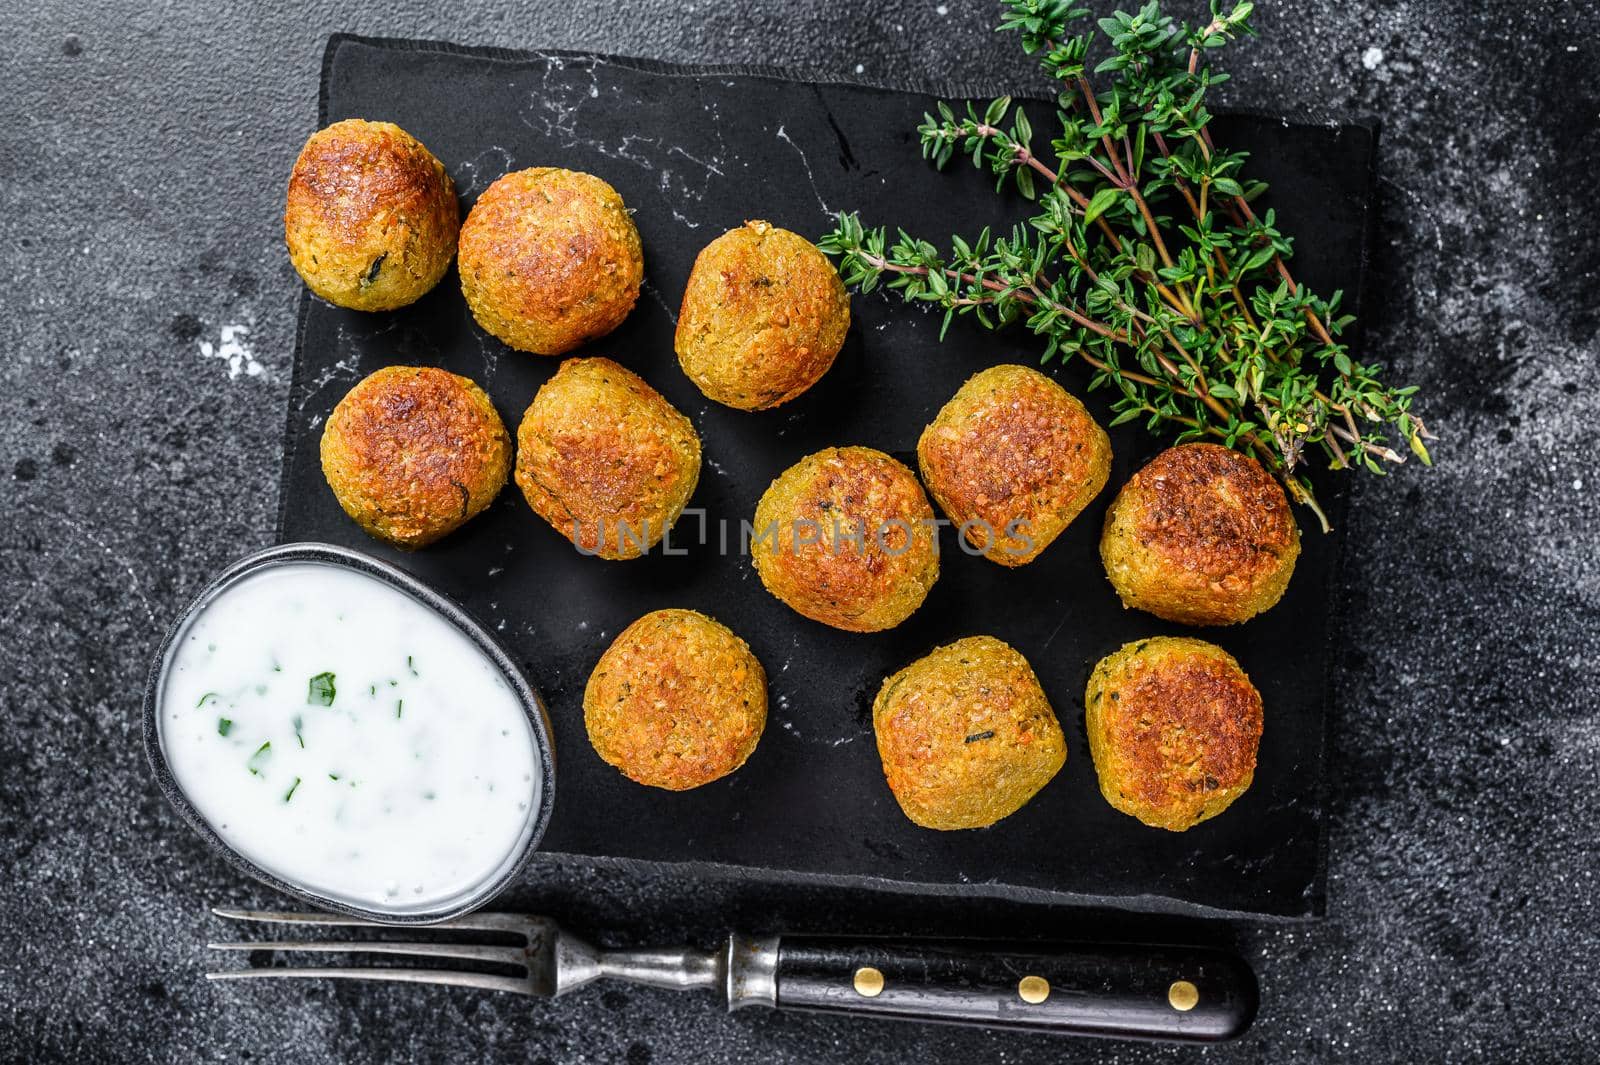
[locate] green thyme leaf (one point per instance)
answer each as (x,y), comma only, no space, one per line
(1097,206)
(320,691)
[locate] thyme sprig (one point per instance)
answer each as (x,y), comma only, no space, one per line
(1193,316)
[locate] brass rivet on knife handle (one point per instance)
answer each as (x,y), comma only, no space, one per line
(1183,996)
(869,982)
(1033,989)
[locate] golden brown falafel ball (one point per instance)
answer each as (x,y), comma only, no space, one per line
(763,317)
(605,459)
(550,259)
(412,452)
(846,537)
(676,701)
(966,735)
(1012,459)
(372,218)
(1202,535)
(1174,725)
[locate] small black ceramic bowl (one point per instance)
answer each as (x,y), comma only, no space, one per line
(329,555)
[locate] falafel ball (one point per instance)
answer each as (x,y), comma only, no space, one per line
(413,452)
(550,259)
(605,459)
(1174,726)
(1012,459)
(676,701)
(763,317)
(966,735)
(847,537)
(1202,535)
(372,218)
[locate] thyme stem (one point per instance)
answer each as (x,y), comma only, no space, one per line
(1196,325)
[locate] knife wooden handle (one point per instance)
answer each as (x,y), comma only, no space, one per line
(1191,994)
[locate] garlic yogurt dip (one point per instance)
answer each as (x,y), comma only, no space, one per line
(348,739)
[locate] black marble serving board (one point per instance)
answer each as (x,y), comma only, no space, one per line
(695,151)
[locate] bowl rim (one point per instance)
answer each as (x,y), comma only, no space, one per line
(347,558)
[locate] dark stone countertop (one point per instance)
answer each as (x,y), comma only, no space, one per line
(143,151)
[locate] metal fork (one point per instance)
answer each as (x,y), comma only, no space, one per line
(555,960)
(1191,994)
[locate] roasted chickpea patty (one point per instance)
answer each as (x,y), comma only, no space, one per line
(605,459)
(1202,535)
(371,218)
(1174,726)
(846,537)
(412,452)
(763,317)
(1012,459)
(676,701)
(966,735)
(550,259)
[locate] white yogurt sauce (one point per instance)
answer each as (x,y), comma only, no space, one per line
(348,739)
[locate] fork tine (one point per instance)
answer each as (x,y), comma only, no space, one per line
(463,951)
(481,981)
(480,922)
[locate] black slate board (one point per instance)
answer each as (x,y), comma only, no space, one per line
(694,152)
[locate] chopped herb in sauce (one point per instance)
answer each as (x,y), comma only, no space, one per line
(411,667)
(333,776)
(260,758)
(986,734)
(290,793)
(208,695)
(321,690)
(224,726)
(398,707)
(299,723)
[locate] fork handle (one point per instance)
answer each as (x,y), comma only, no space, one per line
(1191,994)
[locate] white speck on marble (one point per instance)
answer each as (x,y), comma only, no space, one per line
(783,135)
(473,175)
(650,290)
(233,349)
(1372,58)
(344,368)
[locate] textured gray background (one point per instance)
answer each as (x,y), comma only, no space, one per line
(143,151)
